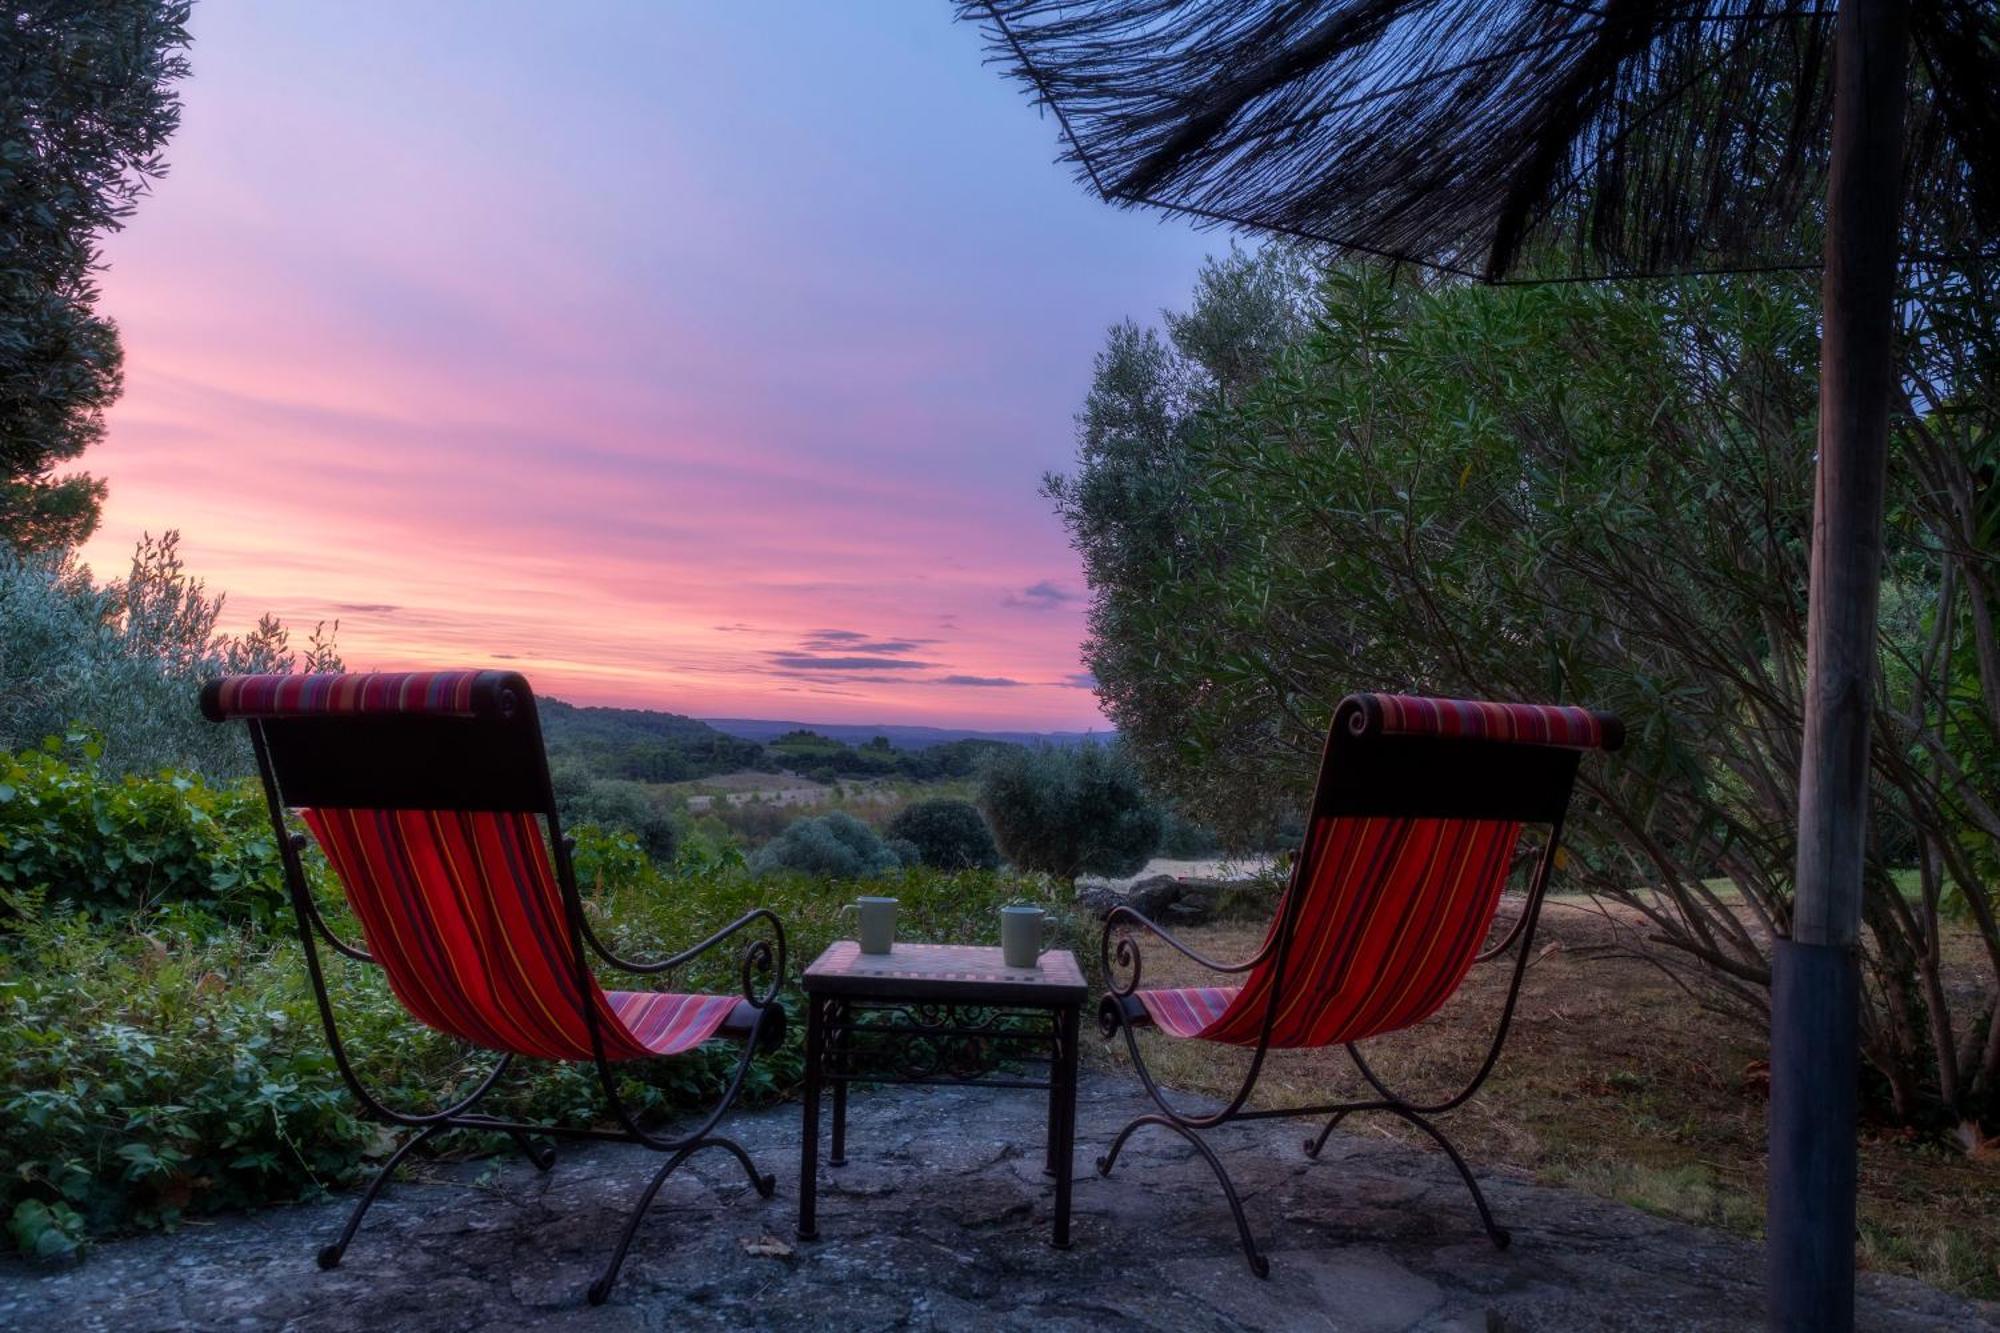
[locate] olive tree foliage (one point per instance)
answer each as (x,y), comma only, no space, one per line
(1599,496)
(1069,810)
(86,104)
(1131,504)
(829,846)
(125,660)
(946,834)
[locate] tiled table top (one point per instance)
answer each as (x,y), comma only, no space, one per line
(945,972)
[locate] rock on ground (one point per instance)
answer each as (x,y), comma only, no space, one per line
(940,1221)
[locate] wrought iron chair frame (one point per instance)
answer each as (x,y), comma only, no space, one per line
(1430,766)
(760,967)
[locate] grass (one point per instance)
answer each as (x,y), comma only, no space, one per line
(1613,1082)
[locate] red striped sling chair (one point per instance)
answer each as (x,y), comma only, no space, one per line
(427,791)
(1414,825)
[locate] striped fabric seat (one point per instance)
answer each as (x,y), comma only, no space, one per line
(668,1024)
(1188,1011)
(1411,836)
(1394,911)
(462,911)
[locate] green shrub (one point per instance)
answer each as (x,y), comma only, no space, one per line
(1069,811)
(831,846)
(112,846)
(614,804)
(154,1075)
(947,834)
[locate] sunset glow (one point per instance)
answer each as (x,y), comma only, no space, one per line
(687,356)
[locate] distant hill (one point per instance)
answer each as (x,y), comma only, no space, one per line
(900,737)
(643,745)
(647,746)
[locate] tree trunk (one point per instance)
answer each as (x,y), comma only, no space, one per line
(1810,1251)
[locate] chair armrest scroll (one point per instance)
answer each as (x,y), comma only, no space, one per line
(765,957)
(1123,955)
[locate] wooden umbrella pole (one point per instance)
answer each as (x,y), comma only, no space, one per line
(1815,994)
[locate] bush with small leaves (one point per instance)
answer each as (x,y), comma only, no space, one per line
(832,846)
(1069,811)
(947,834)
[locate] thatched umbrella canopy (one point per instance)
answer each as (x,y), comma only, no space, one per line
(1499,138)
(1542,139)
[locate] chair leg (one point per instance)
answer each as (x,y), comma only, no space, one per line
(1258,1263)
(764,1183)
(1499,1235)
(1315,1145)
(542,1155)
(330,1256)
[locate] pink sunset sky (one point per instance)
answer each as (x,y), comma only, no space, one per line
(690,356)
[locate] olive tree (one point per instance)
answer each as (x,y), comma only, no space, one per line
(1069,810)
(946,834)
(86,104)
(1600,496)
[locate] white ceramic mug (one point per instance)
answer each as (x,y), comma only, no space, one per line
(1022,930)
(878,922)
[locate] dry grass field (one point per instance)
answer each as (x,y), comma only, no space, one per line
(1614,1082)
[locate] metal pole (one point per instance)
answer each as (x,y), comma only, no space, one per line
(1815,991)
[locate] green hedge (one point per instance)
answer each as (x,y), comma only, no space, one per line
(110,846)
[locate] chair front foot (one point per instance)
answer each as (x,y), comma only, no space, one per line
(1317,1144)
(330,1256)
(541,1154)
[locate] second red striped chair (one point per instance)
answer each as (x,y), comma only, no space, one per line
(428,792)
(1414,826)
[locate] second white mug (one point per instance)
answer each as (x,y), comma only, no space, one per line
(878,922)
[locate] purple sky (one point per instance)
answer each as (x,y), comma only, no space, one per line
(695,356)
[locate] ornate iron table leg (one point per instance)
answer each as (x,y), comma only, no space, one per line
(809,1132)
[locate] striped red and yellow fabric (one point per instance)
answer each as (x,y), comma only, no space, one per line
(1187,1012)
(1393,911)
(450,693)
(462,911)
(1478,719)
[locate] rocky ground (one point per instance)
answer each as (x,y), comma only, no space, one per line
(941,1220)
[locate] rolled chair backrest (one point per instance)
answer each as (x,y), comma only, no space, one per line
(1415,823)
(427,791)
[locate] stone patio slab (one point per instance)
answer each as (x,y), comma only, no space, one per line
(940,1221)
